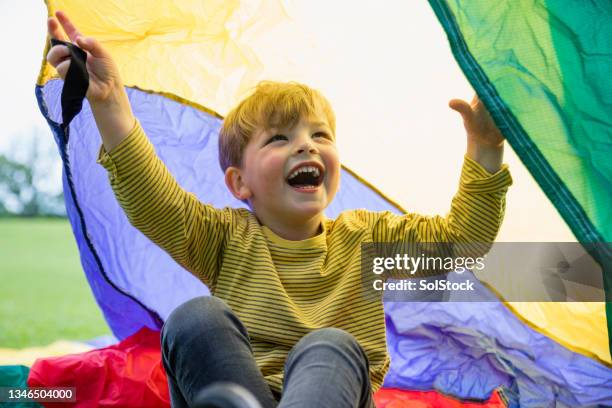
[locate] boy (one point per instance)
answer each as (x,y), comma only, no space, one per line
(287,318)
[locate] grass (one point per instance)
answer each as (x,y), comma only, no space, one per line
(44,295)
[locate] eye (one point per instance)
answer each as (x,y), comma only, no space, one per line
(321,134)
(277,137)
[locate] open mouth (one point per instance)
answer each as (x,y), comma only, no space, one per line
(305,177)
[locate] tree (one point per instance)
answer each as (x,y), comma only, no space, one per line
(26,187)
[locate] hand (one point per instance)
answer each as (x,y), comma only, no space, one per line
(480,127)
(104,77)
(485,141)
(109,101)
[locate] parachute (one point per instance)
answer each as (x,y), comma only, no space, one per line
(538,67)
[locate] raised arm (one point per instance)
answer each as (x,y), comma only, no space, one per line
(191,232)
(477,209)
(475,215)
(485,143)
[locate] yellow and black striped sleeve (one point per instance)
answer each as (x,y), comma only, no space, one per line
(192,232)
(475,216)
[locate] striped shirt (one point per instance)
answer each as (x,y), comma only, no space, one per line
(280,289)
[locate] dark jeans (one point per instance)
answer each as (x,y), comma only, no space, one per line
(204,342)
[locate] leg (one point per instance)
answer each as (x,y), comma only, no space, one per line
(327,368)
(204,342)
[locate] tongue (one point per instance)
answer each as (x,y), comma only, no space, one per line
(303,185)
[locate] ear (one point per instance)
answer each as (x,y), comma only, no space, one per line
(235,183)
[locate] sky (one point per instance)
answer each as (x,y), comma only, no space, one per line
(23,26)
(432,78)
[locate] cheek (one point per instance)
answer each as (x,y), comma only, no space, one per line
(275,165)
(333,165)
(272,168)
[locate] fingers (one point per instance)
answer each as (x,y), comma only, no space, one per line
(460,106)
(68,27)
(475,100)
(54,29)
(62,68)
(59,58)
(57,54)
(92,46)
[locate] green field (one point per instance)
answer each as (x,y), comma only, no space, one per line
(44,295)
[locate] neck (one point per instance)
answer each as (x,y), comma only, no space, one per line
(297,231)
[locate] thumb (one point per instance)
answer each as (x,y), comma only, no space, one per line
(92,46)
(462,107)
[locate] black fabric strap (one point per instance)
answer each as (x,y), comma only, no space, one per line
(75,83)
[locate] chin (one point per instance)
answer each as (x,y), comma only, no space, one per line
(309,210)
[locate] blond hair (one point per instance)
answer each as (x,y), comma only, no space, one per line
(271,105)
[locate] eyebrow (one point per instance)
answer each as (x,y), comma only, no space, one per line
(273,131)
(323,124)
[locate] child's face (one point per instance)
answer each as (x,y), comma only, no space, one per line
(269,171)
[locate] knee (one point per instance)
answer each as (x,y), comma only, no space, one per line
(330,344)
(330,336)
(196,317)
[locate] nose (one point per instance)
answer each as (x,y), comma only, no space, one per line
(307,145)
(310,149)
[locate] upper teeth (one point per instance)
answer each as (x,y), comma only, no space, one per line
(304,170)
